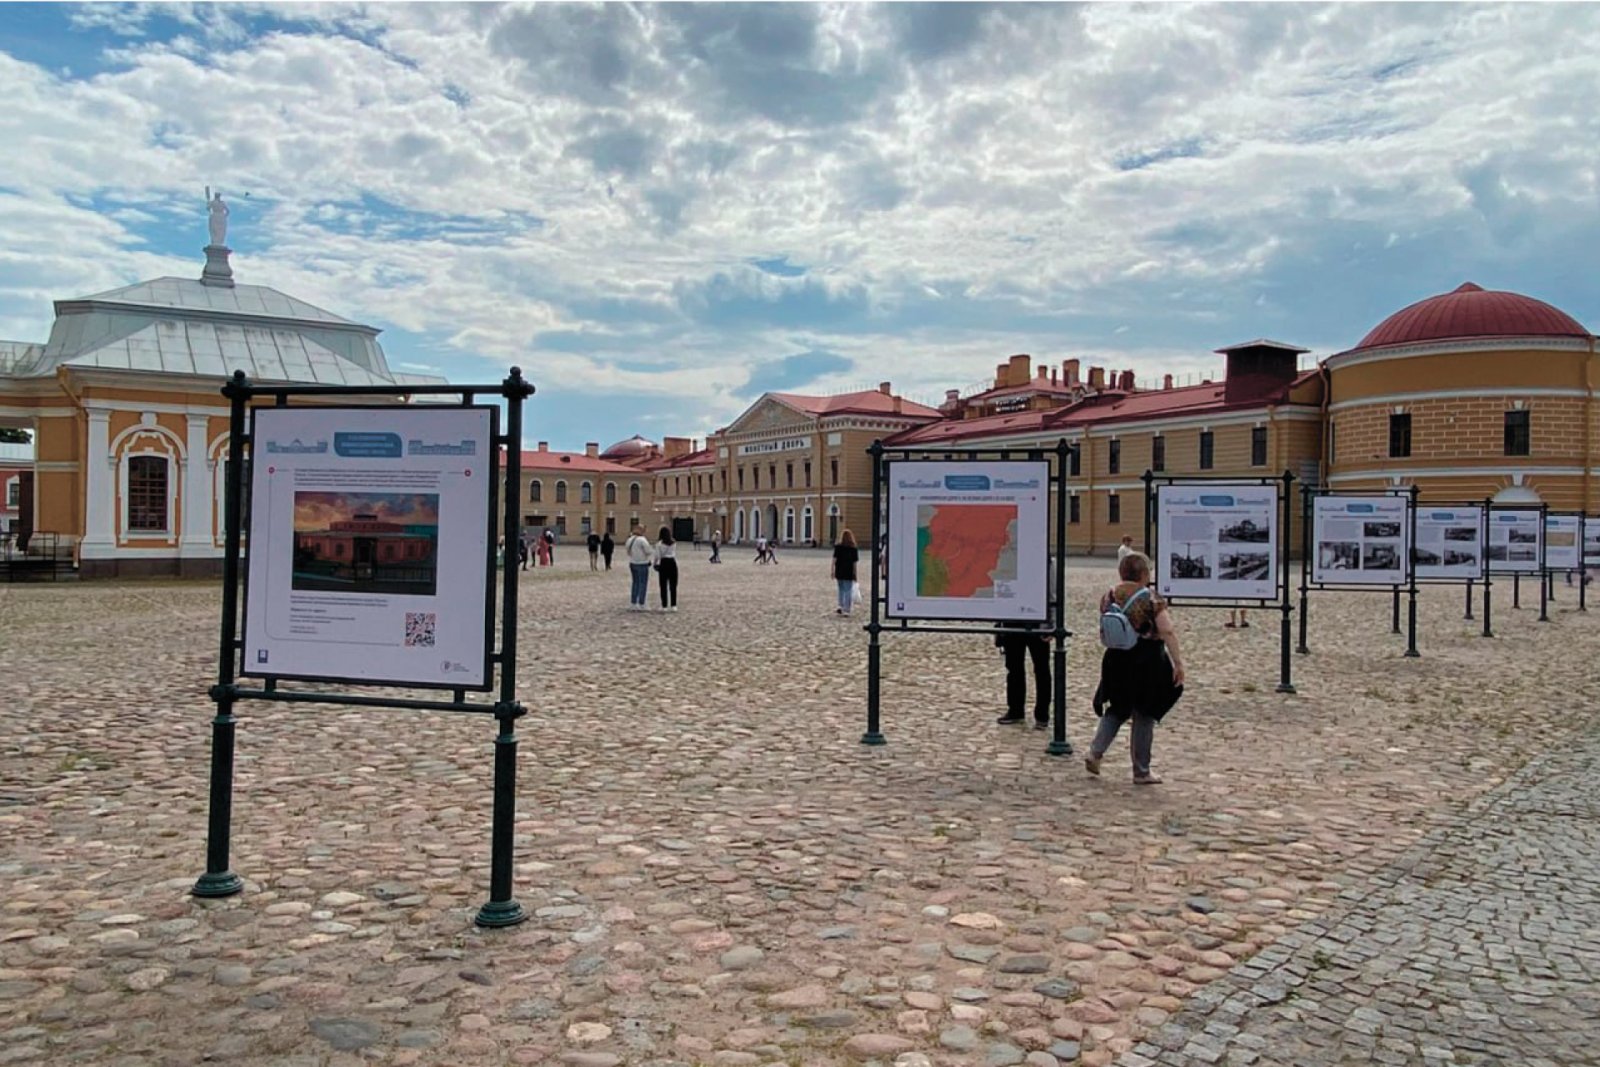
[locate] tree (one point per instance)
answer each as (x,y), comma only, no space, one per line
(9,436)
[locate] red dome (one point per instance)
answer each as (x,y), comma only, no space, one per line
(1472,312)
(633,446)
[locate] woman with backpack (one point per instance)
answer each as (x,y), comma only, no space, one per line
(1141,672)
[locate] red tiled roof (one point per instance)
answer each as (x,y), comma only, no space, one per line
(1034,386)
(693,459)
(572,461)
(1471,312)
(1100,408)
(867,402)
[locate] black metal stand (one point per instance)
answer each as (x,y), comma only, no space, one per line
(1305,567)
(1309,493)
(874,734)
(1058,632)
(1544,599)
(1516,592)
(1394,623)
(1411,568)
(1285,666)
(1468,615)
(218,881)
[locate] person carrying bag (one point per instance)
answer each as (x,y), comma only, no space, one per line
(1141,671)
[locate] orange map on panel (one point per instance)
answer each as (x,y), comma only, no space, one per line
(963,549)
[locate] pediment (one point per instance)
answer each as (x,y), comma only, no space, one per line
(770,414)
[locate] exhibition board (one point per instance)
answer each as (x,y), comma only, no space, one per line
(371,538)
(1450,540)
(1360,540)
(968,540)
(1515,543)
(1217,540)
(1563,541)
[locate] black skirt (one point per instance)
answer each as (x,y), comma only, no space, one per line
(1138,679)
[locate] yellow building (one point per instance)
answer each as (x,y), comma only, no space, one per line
(1469,394)
(129,426)
(576,493)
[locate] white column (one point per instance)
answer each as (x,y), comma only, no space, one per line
(99,492)
(195,496)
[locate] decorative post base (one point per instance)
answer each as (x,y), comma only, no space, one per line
(1285,687)
(220,884)
(1058,748)
(500,913)
(874,737)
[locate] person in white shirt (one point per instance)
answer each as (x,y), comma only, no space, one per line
(761,550)
(1124,550)
(639,556)
(666,557)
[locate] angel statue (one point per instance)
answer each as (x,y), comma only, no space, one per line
(219,218)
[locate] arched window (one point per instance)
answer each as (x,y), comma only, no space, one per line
(561,492)
(755,523)
(535,491)
(148,485)
(808,529)
(833,523)
(611,492)
(738,525)
(788,526)
(586,493)
(633,493)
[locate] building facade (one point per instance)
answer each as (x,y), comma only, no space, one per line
(576,493)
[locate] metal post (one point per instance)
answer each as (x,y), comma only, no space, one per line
(219,881)
(874,734)
(1468,615)
(1059,745)
(502,909)
(1305,567)
(1487,581)
(1516,591)
(1544,598)
(1394,616)
(1149,480)
(1583,563)
(1411,570)
(1284,683)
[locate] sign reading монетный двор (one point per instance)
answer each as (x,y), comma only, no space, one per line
(1359,540)
(1217,541)
(969,540)
(369,545)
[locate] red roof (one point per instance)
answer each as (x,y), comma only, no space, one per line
(572,461)
(867,402)
(701,458)
(1472,312)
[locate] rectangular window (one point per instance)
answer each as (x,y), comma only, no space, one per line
(755,477)
(772,476)
(1075,464)
(1207,450)
(741,479)
(147,494)
(611,525)
(1114,508)
(14,494)
(725,481)
(788,473)
(1399,436)
(561,525)
(1074,510)
(1518,434)
(1258,446)
(1158,453)
(586,493)
(808,474)
(587,525)
(1114,457)
(834,470)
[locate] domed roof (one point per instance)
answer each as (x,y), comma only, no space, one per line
(1472,312)
(633,446)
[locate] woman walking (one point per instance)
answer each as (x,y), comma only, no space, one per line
(639,555)
(666,556)
(1142,682)
(607,547)
(845,558)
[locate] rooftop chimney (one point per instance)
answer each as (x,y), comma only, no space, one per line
(1043,374)
(951,395)
(1125,381)
(1097,377)
(1002,376)
(544,446)
(592,449)
(1053,379)
(898,404)
(1020,372)
(1069,371)
(883,387)
(1166,381)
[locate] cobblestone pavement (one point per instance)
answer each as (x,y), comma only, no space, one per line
(1480,946)
(720,875)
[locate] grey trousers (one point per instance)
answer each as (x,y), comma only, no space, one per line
(1142,737)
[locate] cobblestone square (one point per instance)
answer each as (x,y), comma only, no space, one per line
(720,874)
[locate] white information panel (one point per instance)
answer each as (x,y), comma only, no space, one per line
(1516,540)
(369,545)
(1449,542)
(969,540)
(1591,541)
(1563,537)
(1217,540)
(1360,540)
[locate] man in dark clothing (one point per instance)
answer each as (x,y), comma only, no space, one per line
(1019,642)
(607,546)
(594,551)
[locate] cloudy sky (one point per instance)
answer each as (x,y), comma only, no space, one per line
(662,211)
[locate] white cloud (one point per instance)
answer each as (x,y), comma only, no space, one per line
(961,182)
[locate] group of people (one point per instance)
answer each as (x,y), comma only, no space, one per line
(662,557)
(1138,684)
(540,547)
(766,551)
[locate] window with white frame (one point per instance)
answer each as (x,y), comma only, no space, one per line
(149,483)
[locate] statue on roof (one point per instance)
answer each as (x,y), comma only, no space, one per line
(218,222)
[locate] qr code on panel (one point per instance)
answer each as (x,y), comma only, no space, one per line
(419,629)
